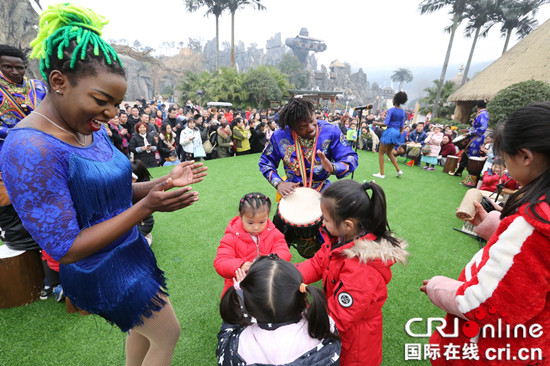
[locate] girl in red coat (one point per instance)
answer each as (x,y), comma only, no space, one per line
(354,263)
(500,302)
(248,236)
(495,175)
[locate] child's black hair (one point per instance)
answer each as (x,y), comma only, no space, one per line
(528,128)
(271,293)
(139,169)
(252,202)
(295,111)
(498,161)
(351,200)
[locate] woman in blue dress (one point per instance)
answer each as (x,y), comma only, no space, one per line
(395,122)
(73,189)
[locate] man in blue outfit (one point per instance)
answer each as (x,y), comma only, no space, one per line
(311,150)
(19,96)
(317,141)
(477,138)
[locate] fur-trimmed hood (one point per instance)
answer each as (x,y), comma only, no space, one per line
(368,250)
(380,255)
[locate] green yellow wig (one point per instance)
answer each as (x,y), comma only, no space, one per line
(70,35)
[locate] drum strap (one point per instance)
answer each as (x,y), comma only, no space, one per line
(301,161)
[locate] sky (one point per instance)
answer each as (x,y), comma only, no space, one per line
(387,34)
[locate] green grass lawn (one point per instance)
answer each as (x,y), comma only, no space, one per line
(421,207)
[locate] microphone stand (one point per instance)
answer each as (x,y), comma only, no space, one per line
(358,129)
(500,187)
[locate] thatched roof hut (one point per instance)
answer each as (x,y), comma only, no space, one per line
(528,59)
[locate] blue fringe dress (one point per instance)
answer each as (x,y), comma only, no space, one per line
(58,190)
(395,120)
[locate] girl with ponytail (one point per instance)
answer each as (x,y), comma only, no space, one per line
(73,189)
(272,318)
(509,279)
(249,235)
(354,263)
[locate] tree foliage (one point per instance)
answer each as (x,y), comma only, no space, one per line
(266,83)
(295,70)
(480,13)
(445,108)
(518,15)
(233,6)
(458,9)
(516,96)
(254,88)
(195,45)
(401,76)
(215,7)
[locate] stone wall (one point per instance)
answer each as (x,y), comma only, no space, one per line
(138,78)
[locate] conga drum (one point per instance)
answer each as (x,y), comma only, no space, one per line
(21,277)
(301,213)
(413,152)
(450,164)
(461,141)
(475,165)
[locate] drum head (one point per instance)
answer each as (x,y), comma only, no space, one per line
(302,207)
(6,252)
(459,139)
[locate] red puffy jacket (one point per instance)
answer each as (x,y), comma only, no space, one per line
(355,276)
(505,293)
(237,247)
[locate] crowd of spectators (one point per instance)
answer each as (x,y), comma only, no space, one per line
(158,133)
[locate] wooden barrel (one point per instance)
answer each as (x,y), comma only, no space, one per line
(21,277)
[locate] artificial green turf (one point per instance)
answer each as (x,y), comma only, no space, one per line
(421,207)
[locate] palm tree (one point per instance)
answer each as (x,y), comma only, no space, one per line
(232,6)
(429,100)
(215,7)
(193,81)
(479,14)
(229,85)
(458,8)
(401,76)
(519,15)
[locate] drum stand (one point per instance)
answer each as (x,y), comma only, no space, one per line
(500,187)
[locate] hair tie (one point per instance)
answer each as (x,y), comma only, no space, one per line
(367,185)
(303,288)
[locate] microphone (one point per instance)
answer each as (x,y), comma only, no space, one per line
(368,106)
